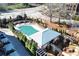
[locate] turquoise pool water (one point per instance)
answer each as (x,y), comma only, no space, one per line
(28,30)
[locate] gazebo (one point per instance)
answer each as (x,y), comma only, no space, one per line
(44,37)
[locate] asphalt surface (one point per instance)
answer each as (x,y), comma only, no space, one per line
(34,13)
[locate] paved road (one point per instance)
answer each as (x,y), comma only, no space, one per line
(34,13)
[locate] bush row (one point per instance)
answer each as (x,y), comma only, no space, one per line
(60,31)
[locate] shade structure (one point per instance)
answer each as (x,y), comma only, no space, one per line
(45,36)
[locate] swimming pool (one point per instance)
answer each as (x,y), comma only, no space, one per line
(28,30)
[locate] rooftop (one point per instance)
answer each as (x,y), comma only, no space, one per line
(43,37)
(13,44)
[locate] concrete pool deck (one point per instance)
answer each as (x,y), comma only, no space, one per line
(36,26)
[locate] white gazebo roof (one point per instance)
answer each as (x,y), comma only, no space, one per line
(43,37)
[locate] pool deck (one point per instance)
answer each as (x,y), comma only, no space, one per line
(34,25)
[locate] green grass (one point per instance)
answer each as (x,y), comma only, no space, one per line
(16,6)
(75,17)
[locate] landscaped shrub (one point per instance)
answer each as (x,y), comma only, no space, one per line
(31,41)
(64,23)
(25,16)
(26,43)
(29,45)
(19,17)
(3,8)
(60,31)
(56,29)
(24,38)
(75,17)
(64,31)
(20,35)
(16,32)
(37,20)
(11,26)
(34,48)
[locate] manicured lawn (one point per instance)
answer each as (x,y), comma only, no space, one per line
(16,6)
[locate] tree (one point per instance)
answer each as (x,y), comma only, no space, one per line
(11,26)
(20,35)
(34,48)
(25,16)
(52,10)
(56,29)
(31,43)
(3,8)
(10,19)
(24,38)
(27,43)
(3,22)
(60,31)
(26,4)
(19,17)
(38,21)
(75,17)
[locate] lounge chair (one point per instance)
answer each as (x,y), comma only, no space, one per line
(6,43)
(9,52)
(1,44)
(2,36)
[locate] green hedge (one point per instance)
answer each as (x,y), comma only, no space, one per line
(75,17)
(32,46)
(61,31)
